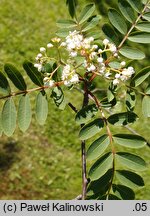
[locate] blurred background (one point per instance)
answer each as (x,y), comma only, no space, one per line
(44,162)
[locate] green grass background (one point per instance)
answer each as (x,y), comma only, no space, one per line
(44,162)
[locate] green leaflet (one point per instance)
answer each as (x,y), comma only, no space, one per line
(130,100)
(101,166)
(127,11)
(129,140)
(91,24)
(143,26)
(71,7)
(110,33)
(147,16)
(96,35)
(146,106)
(58,97)
(9,116)
(15,76)
(62,33)
(33,73)
(41,110)
(66,23)
(100,186)
(91,129)
(4,85)
(86,113)
(123,192)
(140,37)
(98,147)
(129,178)
(131,53)
(140,77)
(132,161)
(24,113)
(86,13)
(136,5)
(117,21)
(123,118)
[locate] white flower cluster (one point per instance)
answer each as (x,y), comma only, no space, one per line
(69,76)
(94,61)
(124,75)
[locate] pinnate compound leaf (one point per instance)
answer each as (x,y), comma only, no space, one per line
(41,110)
(91,24)
(98,147)
(127,11)
(129,140)
(24,113)
(100,185)
(129,178)
(123,192)
(86,13)
(101,166)
(59,98)
(86,113)
(15,76)
(66,23)
(110,33)
(141,37)
(72,6)
(117,21)
(146,106)
(9,116)
(33,73)
(143,26)
(132,53)
(123,118)
(130,100)
(113,197)
(91,129)
(4,85)
(131,161)
(140,77)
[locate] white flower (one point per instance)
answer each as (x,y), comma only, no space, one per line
(74,79)
(91,68)
(36,65)
(100,60)
(105,42)
(123,63)
(115,81)
(39,55)
(117,76)
(91,39)
(56,40)
(46,79)
(50,45)
(73,54)
(92,55)
(107,74)
(95,47)
(51,83)
(63,44)
(116,55)
(100,51)
(42,50)
(112,48)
